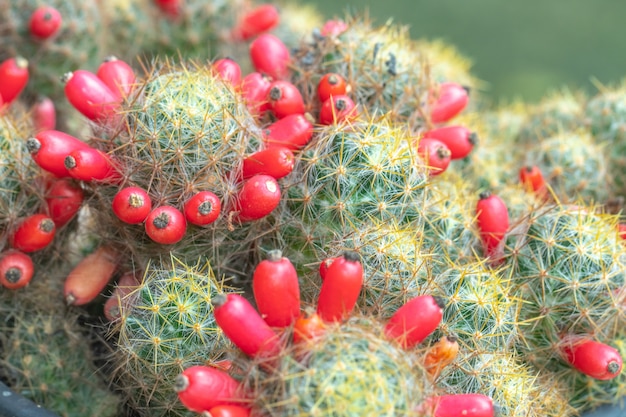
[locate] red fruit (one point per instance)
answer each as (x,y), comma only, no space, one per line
(91,96)
(331,84)
(64,198)
(90,276)
(49,149)
(118,76)
(621,230)
(415,320)
(34,233)
(243,325)
(337,109)
(258,197)
(435,154)
(90,164)
(492,218)
(16,269)
(333,28)
(202,208)
(459,139)
(308,327)
(341,288)
(170,7)
(291,132)
(166,225)
(229,411)
(258,20)
(228,70)
(270,56)
(131,205)
(255,88)
(44,115)
(13,78)
(125,285)
(201,388)
(324,267)
(449,101)
(284,99)
(276,162)
(594,359)
(440,355)
(455,405)
(276,290)
(532,178)
(45,22)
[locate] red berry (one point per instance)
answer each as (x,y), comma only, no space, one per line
(341,288)
(125,285)
(16,269)
(14,76)
(132,205)
(166,225)
(532,178)
(459,139)
(258,20)
(270,56)
(49,149)
(337,109)
(415,320)
(64,198)
(449,101)
(285,99)
(594,359)
(118,76)
(276,162)
(291,132)
(455,405)
(258,197)
(621,230)
(331,84)
(435,154)
(45,22)
(170,7)
(333,28)
(255,88)
(276,290)
(324,267)
(34,233)
(228,70)
(201,388)
(307,327)
(91,96)
(492,218)
(90,164)
(229,411)
(44,115)
(202,208)
(243,325)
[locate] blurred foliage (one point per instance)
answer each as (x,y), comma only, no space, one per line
(521,49)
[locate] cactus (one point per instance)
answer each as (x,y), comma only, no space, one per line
(166,325)
(351,370)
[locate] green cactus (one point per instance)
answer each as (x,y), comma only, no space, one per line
(350,371)
(166,325)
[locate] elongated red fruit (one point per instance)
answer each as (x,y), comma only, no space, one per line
(277,290)
(532,178)
(459,405)
(244,326)
(34,233)
(258,20)
(91,96)
(201,388)
(285,99)
(228,70)
(459,139)
(435,154)
(49,149)
(44,115)
(16,269)
(229,411)
(492,218)
(125,285)
(255,88)
(276,162)
(292,132)
(341,288)
(14,76)
(270,56)
(258,197)
(594,359)
(90,164)
(450,100)
(415,320)
(90,276)
(118,76)
(64,198)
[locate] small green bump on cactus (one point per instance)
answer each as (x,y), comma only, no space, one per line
(350,371)
(166,325)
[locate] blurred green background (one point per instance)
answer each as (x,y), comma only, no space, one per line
(520,48)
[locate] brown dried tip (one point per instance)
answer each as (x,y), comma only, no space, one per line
(33,145)
(613,367)
(21,62)
(352,256)
(275,255)
(110,58)
(473,138)
(484,194)
(439,301)
(65,78)
(181,383)
(219,300)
